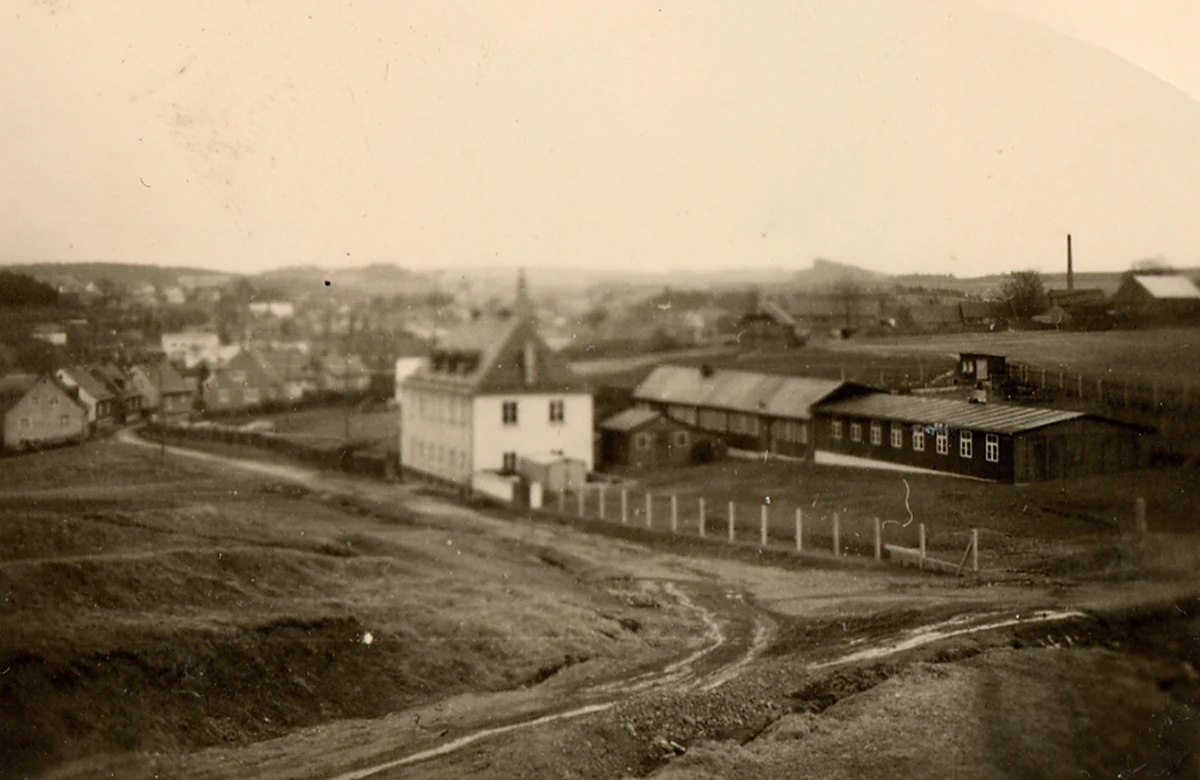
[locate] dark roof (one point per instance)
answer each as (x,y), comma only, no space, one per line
(994,418)
(168,381)
(789,397)
(629,420)
(486,356)
(1093,296)
(88,383)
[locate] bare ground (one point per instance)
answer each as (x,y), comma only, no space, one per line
(197,617)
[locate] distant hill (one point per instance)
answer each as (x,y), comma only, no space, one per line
(826,274)
(124,274)
(385,279)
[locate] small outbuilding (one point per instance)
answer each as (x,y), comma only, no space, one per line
(981,367)
(645,438)
(994,442)
(553,471)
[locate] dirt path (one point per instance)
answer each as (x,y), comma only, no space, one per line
(745,609)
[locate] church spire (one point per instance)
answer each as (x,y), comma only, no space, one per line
(522,307)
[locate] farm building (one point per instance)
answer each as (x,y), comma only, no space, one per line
(750,411)
(1158,299)
(38,412)
(995,442)
(644,438)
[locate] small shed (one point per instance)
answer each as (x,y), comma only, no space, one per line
(981,367)
(553,471)
(645,438)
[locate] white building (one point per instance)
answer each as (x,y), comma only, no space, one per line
(490,393)
(283,310)
(192,347)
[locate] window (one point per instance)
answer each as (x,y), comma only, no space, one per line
(24,423)
(681,439)
(509,411)
(237,376)
(743,423)
(642,441)
(557,411)
(251,395)
(683,413)
(510,461)
(54,400)
(223,396)
(991,448)
(965,444)
(855,432)
(836,430)
(897,436)
(712,420)
(943,443)
(64,421)
(876,434)
(918,440)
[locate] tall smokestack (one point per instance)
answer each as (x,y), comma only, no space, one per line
(1070,266)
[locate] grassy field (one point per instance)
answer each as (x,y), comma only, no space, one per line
(155,606)
(1170,356)
(1076,527)
(372,429)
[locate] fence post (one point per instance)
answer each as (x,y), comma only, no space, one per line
(878,540)
(799,529)
(581,500)
(1079,381)
(921,544)
(649,509)
(674,513)
(1100,390)
(624,506)
(562,501)
(974,549)
(837,535)
(731,511)
(1140,512)
(701,511)
(603,490)
(762,529)
(1044,378)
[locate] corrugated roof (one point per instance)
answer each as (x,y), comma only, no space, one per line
(1169,286)
(741,391)
(995,418)
(629,419)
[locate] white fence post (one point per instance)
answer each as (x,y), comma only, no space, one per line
(649,510)
(603,490)
(582,501)
(762,533)
(921,544)
(624,506)
(878,540)
(974,549)
(562,501)
(799,529)
(731,511)
(701,511)
(674,513)
(837,535)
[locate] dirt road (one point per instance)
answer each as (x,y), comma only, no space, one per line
(761,631)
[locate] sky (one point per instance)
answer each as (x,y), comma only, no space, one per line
(904,136)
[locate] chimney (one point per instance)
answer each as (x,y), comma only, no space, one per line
(1070,266)
(529,363)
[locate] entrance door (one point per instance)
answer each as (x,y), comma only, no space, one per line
(981,372)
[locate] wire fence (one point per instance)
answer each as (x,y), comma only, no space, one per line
(1114,394)
(766,525)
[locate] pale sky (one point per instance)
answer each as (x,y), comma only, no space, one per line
(960,136)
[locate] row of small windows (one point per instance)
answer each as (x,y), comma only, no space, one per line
(510,411)
(63,422)
(438,456)
(966,439)
(644,441)
(738,423)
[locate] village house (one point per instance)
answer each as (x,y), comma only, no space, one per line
(644,438)
(342,374)
(96,398)
(490,393)
(245,382)
(993,442)
(190,348)
(51,333)
(166,395)
(752,412)
(39,412)
(294,369)
(127,404)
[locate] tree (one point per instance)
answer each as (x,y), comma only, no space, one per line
(18,289)
(1025,293)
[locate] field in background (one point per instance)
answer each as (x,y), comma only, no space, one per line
(373,429)
(1170,356)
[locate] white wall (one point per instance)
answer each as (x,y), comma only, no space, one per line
(495,485)
(406,367)
(435,428)
(533,433)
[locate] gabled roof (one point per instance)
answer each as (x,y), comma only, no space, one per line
(772,395)
(629,420)
(168,381)
(88,383)
(992,418)
(1168,286)
(487,356)
(16,386)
